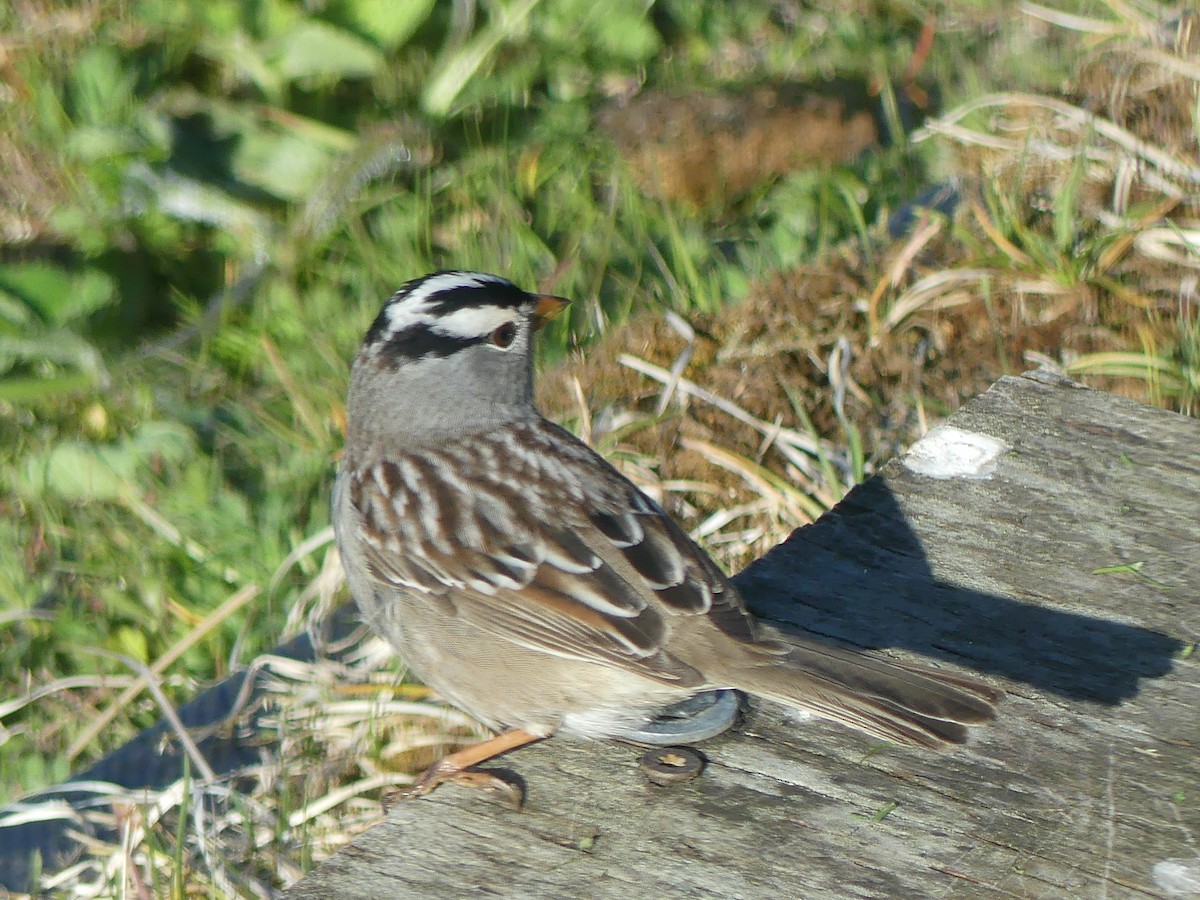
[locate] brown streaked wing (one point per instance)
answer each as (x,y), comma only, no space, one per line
(725,607)
(677,571)
(672,568)
(544,625)
(570,602)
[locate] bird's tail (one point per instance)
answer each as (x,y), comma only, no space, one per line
(898,702)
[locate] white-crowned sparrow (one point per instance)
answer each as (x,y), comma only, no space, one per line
(532,585)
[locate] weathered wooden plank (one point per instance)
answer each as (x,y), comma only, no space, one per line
(1088,781)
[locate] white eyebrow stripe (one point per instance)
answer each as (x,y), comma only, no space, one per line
(413,307)
(473,321)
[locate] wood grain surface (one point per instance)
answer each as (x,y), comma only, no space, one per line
(1088,785)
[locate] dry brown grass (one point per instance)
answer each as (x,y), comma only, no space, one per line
(1077,235)
(707,150)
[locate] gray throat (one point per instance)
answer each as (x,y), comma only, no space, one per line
(386,409)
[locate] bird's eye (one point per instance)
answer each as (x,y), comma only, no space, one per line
(504,335)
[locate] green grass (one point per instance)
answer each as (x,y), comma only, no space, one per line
(218,197)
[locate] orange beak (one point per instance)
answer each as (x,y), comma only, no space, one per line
(548,306)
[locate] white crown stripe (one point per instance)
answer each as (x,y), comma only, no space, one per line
(448,281)
(413,308)
(402,317)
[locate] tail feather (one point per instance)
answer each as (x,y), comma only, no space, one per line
(899,702)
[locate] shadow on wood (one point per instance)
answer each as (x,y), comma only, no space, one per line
(860,577)
(1069,577)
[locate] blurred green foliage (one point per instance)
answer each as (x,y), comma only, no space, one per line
(202,140)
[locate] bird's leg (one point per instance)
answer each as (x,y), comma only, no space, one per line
(458,767)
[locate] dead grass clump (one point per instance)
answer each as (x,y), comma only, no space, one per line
(1087,207)
(720,420)
(706,150)
(1076,244)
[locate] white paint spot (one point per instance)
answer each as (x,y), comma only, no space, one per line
(949,452)
(795,716)
(1178,877)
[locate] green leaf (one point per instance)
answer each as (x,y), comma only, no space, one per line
(391,22)
(30,390)
(627,34)
(170,442)
(455,72)
(131,642)
(319,50)
(58,296)
(93,143)
(79,472)
(101,88)
(286,165)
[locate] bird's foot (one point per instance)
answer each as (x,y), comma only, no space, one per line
(459,767)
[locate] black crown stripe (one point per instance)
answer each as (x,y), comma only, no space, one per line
(464,297)
(421,341)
